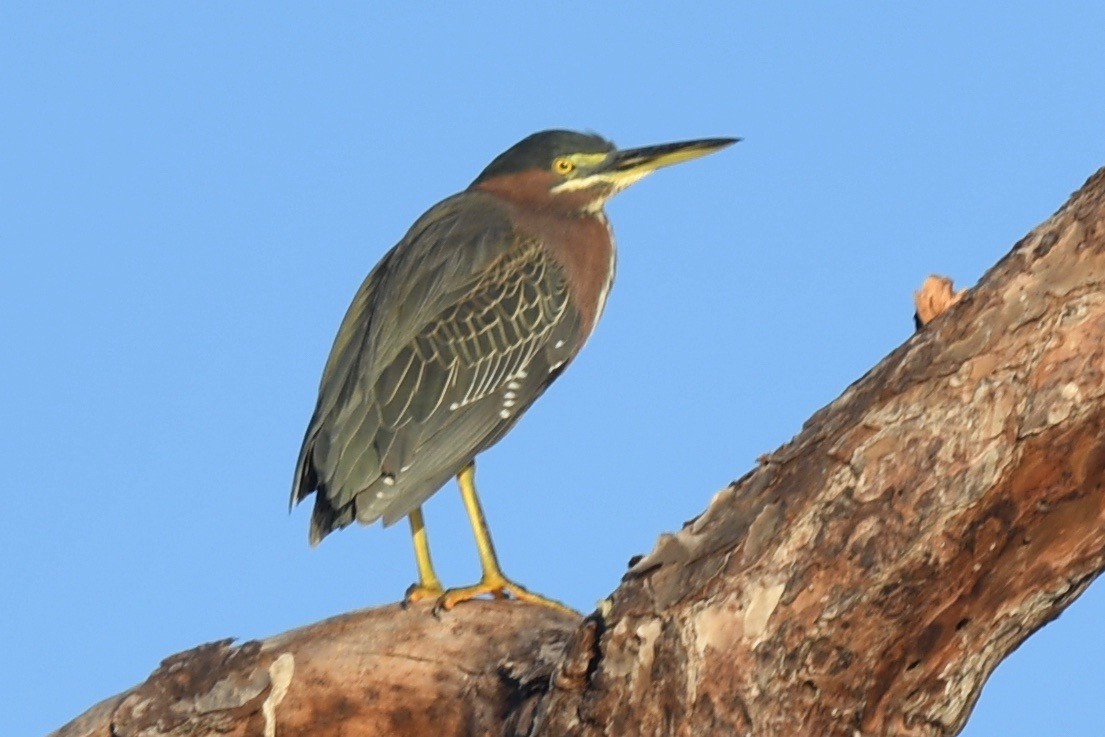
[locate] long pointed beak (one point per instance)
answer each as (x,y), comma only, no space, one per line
(634,163)
(625,167)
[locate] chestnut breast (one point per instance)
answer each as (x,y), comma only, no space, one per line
(579,239)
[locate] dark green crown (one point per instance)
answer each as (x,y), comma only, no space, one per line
(538,151)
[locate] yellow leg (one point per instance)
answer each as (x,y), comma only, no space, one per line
(428,586)
(492,581)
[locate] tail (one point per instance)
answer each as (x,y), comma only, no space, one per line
(324,518)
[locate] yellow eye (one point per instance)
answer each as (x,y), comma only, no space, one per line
(563,166)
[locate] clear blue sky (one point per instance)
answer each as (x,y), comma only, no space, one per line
(191,195)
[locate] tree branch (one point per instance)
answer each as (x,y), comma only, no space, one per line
(382,671)
(865,578)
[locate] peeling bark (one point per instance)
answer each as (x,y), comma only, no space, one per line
(864,579)
(934,298)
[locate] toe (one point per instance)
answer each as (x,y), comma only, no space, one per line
(422,592)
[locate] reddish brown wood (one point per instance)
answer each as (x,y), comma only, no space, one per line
(865,579)
(386,671)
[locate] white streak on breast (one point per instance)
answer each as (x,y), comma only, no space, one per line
(605,291)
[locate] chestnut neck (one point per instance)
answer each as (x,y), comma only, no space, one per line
(574,233)
(530,189)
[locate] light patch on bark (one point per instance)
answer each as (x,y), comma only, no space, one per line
(647,633)
(984,469)
(280,673)
(1070,392)
(877,465)
(761,605)
(1069,397)
(716,627)
(619,663)
(718,503)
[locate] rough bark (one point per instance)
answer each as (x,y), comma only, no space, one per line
(864,579)
(385,671)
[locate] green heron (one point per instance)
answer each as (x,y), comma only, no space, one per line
(458,330)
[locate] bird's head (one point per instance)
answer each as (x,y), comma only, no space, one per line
(579,171)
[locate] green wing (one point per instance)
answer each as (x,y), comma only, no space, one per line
(450,338)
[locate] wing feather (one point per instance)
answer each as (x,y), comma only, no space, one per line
(413,389)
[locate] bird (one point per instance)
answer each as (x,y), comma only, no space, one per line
(456,332)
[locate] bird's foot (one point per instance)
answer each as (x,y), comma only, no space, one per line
(422,591)
(500,588)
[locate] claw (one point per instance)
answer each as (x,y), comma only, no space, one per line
(500,588)
(417,592)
